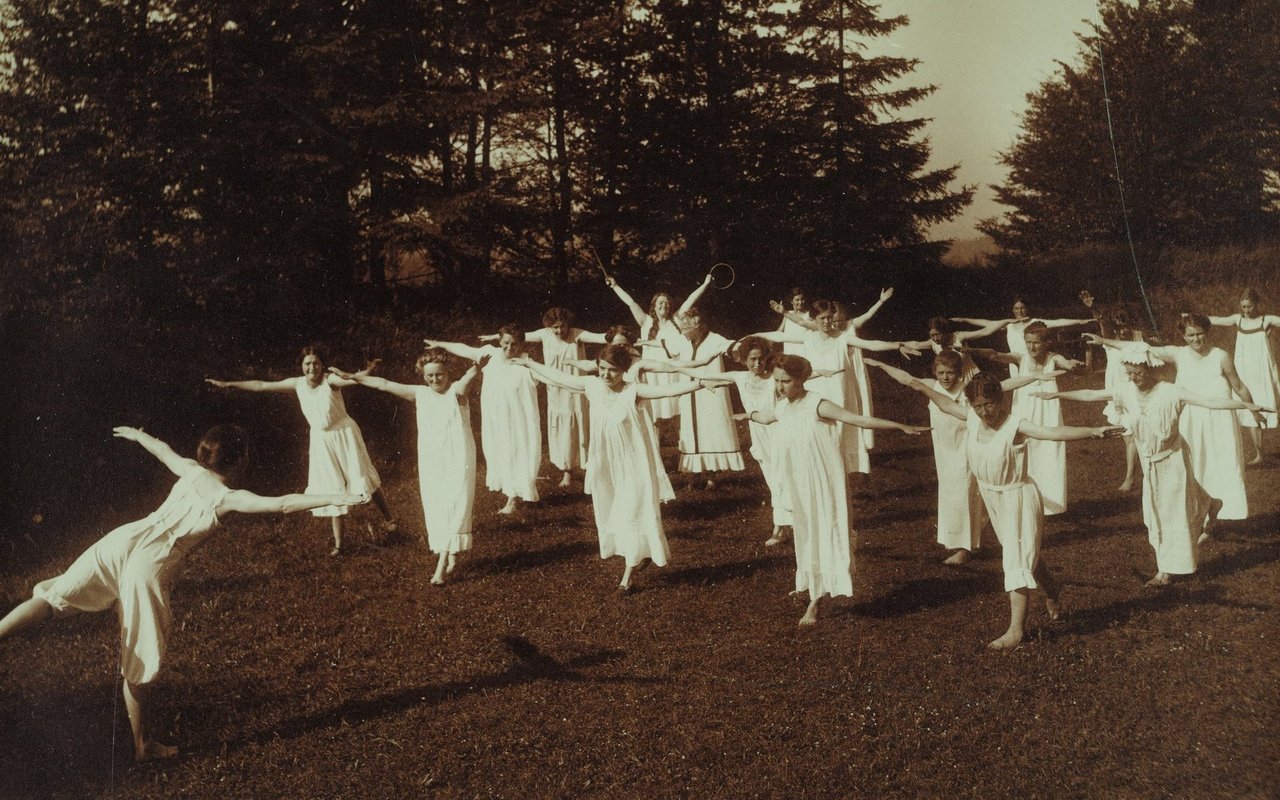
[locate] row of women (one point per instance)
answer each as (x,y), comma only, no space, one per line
(998,457)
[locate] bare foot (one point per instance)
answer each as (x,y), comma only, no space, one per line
(1009,641)
(1127,486)
(810,616)
(776,538)
(435,581)
(336,551)
(710,484)
(1161,579)
(1255,461)
(451,562)
(958,557)
(153,749)
(564,481)
(510,507)
(1053,608)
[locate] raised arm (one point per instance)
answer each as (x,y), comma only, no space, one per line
(285,385)
(246,502)
(176,464)
(858,322)
(945,404)
(463,384)
(1067,433)
(401,390)
(460,350)
(694,297)
(788,314)
(830,411)
(986,330)
(638,313)
(551,377)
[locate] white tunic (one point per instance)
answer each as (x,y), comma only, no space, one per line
(1212,437)
(1046,460)
(708,436)
(338,462)
(792,328)
(961,516)
(510,433)
(567,439)
(656,335)
(446,467)
(623,477)
(1014,333)
(833,352)
(134,565)
(1013,502)
(1255,361)
(1173,504)
(666,492)
(815,489)
(759,396)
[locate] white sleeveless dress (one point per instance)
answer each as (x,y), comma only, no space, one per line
(961,515)
(759,395)
(567,431)
(665,340)
(708,435)
(1046,461)
(833,352)
(1212,437)
(446,467)
(1255,361)
(134,565)
(338,462)
(510,431)
(1013,502)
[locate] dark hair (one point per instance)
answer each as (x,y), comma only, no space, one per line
(822,307)
(949,358)
(744,346)
(1038,328)
(691,316)
(619,330)
(798,367)
(1195,320)
(432,355)
(313,350)
(795,290)
(223,449)
(617,356)
(671,306)
(986,386)
(1121,318)
(513,330)
(558,315)
(1251,295)
(940,324)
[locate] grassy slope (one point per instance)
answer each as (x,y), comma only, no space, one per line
(295,675)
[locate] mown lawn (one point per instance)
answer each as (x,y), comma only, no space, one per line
(292,674)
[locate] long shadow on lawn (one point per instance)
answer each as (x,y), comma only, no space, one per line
(1093,620)
(925,593)
(531,559)
(530,666)
(717,573)
(1240,560)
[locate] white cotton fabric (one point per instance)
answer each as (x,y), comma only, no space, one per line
(708,435)
(814,488)
(1255,361)
(758,397)
(623,477)
(656,334)
(961,515)
(1046,460)
(1013,502)
(133,566)
(446,467)
(1212,437)
(510,431)
(338,461)
(832,352)
(793,328)
(567,429)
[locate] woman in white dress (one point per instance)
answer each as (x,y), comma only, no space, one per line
(133,566)
(708,436)
(1255,362)
(1046,460)
(944,336)
(815,490)
(510,431)
(623,473)
(563,346)
(1175,508)
(799,305)
(446,452)
(961,514)
(995,445)
(660,335)
(1016,330)
(1117,324)
(338,461)
(828,348)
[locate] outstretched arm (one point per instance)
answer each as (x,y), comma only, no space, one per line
(246,502)
(1165,353)
(1227,320)
(758,417)
(551,377)
(993,355)
(1010,384)
(788,314)
(779,336)
(1063,363)
(460,350)
(1083,395)
(1067,433)
(653,391)
(945,404)
(977,322)
(986,330)
(1066,323)
(638,313)
(589,337)
(1218,403)
(341,379)
(401,390)
(285,385)
(694,296)
(464,383)
(830,411)
(176,464)
(853,340)
(858,322)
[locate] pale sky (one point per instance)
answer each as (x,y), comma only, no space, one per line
(984,56)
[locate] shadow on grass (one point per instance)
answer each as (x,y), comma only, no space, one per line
(216,583)
(923,594)
(1094,620)
(531,559)
(1240,560)
(1246,530)
(705,505)
(717,573)
(530,665)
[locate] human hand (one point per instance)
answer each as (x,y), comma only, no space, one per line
(777,307)
(1108,432)
(1091,338)
(908,351)
(346,376)
(219,384)
(885,294)
(488,337)
(484,359)
(371,365)
(914,430)
(1086,298)
(125,432)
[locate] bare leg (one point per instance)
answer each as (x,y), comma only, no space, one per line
(625,583)
(1017,621)
(811,613)
(451,562)
(438,578)
(1255,438)
(143,748)
(26,614)
(1130,461)
(777,537)
(960,556)
(513,503)
(1160,579)
(566,479)
(336,523)
(1052,589)
(380,500)
(1210,520)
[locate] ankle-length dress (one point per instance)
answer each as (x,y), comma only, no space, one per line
(1013,502)
(708,435)
(806,448)
(1174,505)
(446,467)
(338,461)
(1046,460)
(834,352)
(623,476)
(1212,436)
(567,431)
(1255,361)
(510,431)
(134,565)
(961,515)
(661,341)
(758,396)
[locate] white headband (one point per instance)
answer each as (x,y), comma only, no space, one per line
(1139,353)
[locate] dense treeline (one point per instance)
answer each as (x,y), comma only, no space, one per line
(185,155)
(1195,111)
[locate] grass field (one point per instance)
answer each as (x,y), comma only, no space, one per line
(292,674)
